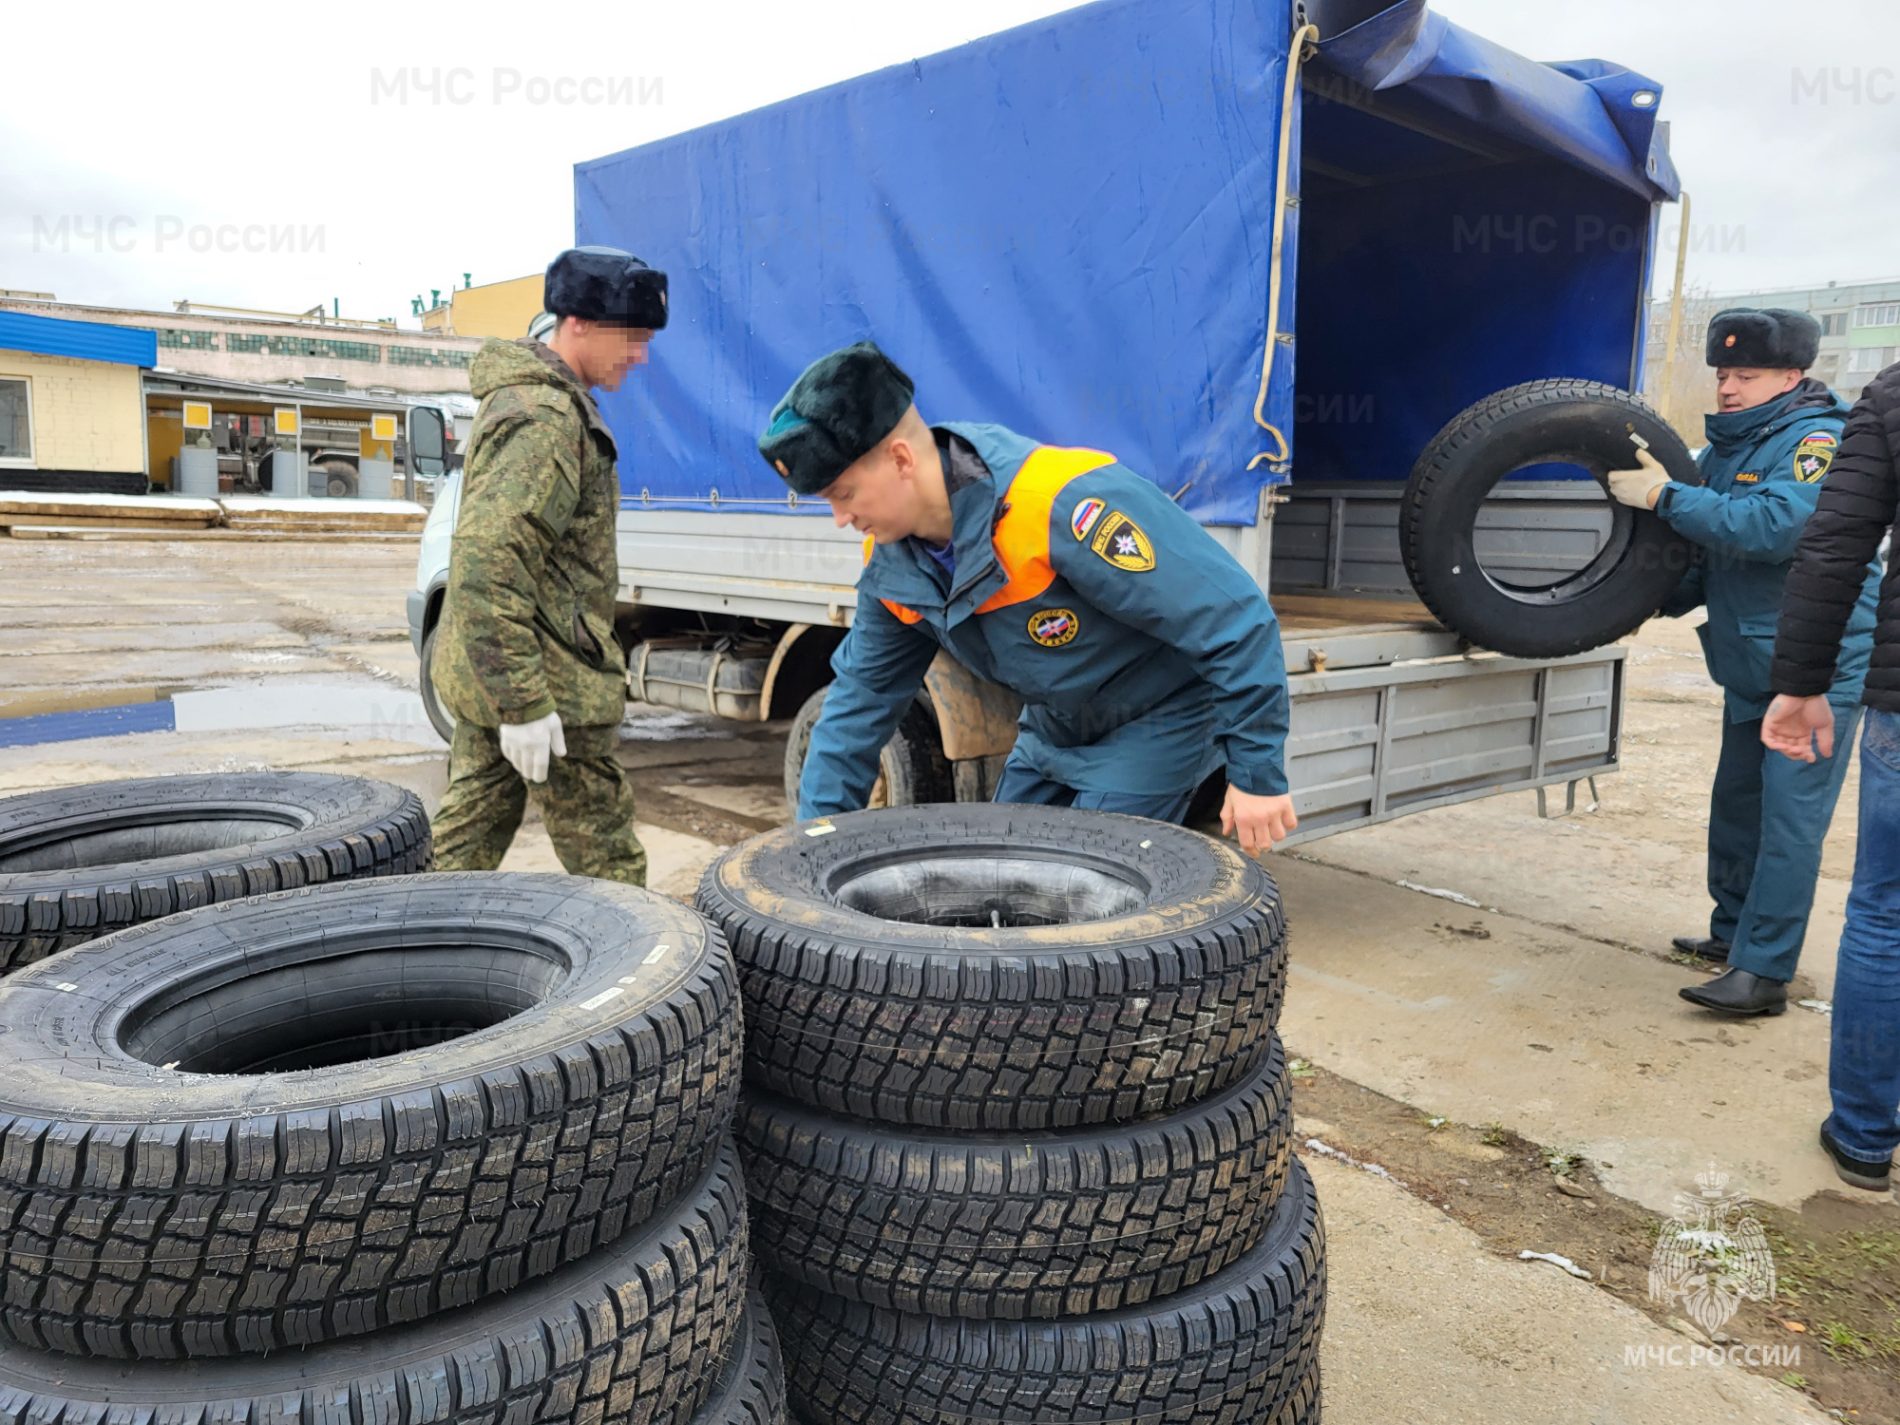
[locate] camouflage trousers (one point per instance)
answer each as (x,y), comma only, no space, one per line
(586,803)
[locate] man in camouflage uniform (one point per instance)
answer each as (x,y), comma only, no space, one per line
(526,658)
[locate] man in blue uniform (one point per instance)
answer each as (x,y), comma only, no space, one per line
(1145,656)
(1770,446)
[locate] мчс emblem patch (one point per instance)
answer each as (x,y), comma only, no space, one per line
(1813,457)
(1084,518)
(1122,543)
(1054,627)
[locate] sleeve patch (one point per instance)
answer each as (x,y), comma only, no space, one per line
(1085,516)
(1812,459)
(1123,543)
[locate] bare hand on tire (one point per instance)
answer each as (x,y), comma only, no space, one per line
(1797,727)
(1258,822)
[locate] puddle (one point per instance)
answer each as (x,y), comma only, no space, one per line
(378,710)
(384,712)
(647,723)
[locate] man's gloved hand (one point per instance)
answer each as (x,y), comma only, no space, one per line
(1642,487)
(527,745)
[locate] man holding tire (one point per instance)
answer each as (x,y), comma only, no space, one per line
(1146,657)
(526,658)
(1771,444)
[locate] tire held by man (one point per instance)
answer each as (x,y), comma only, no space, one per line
(1578,423)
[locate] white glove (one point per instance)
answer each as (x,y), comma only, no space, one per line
(1642,487)
(527,745)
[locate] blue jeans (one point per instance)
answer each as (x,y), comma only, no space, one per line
(1864,1074)
(1024,784)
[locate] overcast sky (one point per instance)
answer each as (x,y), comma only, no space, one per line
(135,137)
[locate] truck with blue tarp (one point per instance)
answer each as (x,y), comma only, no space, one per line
(1272,257)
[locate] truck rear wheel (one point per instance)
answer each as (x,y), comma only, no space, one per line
(339,479)
(1619,585)
(912,769)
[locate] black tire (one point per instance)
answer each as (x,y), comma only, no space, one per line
(1239,1347)
(339,478)
(911,768)
(83,862)
(751,1387)
(237,1202)
(1165,998)
(440,718)
(1579,422)
(1041,1225)
(624,1335)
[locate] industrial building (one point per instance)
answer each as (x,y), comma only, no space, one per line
(86,407)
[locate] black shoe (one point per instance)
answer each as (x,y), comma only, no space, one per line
(1857,1172)
(1710,949)
(1738,992)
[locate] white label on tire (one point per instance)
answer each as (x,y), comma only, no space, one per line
(612,992)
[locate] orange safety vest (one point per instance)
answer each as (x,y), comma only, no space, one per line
(1021,536)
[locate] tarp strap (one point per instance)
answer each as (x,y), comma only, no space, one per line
(1297,53)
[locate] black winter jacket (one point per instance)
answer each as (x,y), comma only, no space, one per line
(1830,567)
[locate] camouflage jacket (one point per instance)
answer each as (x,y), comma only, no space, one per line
(528,622)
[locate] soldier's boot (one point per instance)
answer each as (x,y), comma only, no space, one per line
(588,807)
(483,806)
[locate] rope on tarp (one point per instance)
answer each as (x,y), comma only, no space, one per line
(1305,41)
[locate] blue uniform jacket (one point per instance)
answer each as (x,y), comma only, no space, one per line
(1144,654)
(1762,474)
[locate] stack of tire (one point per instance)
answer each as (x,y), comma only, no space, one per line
(443,1148)
(1017,1123)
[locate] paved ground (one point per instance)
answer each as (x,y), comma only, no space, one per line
(1459,1052)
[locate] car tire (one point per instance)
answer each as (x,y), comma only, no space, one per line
(751,1387)
(623,1335)
(912,770)
(1242,1345)
(440,718)
(1145,972)
(1576,422)
(1041,1225)
(276,1122)
(82,862)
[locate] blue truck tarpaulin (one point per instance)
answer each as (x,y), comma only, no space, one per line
(1066,228)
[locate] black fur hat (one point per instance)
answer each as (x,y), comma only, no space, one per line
(1770,337)
(841,406)
(605,284)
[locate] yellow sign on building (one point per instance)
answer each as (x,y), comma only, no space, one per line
(286,421)
(197,415)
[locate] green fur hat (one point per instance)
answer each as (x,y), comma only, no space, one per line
(838,409)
